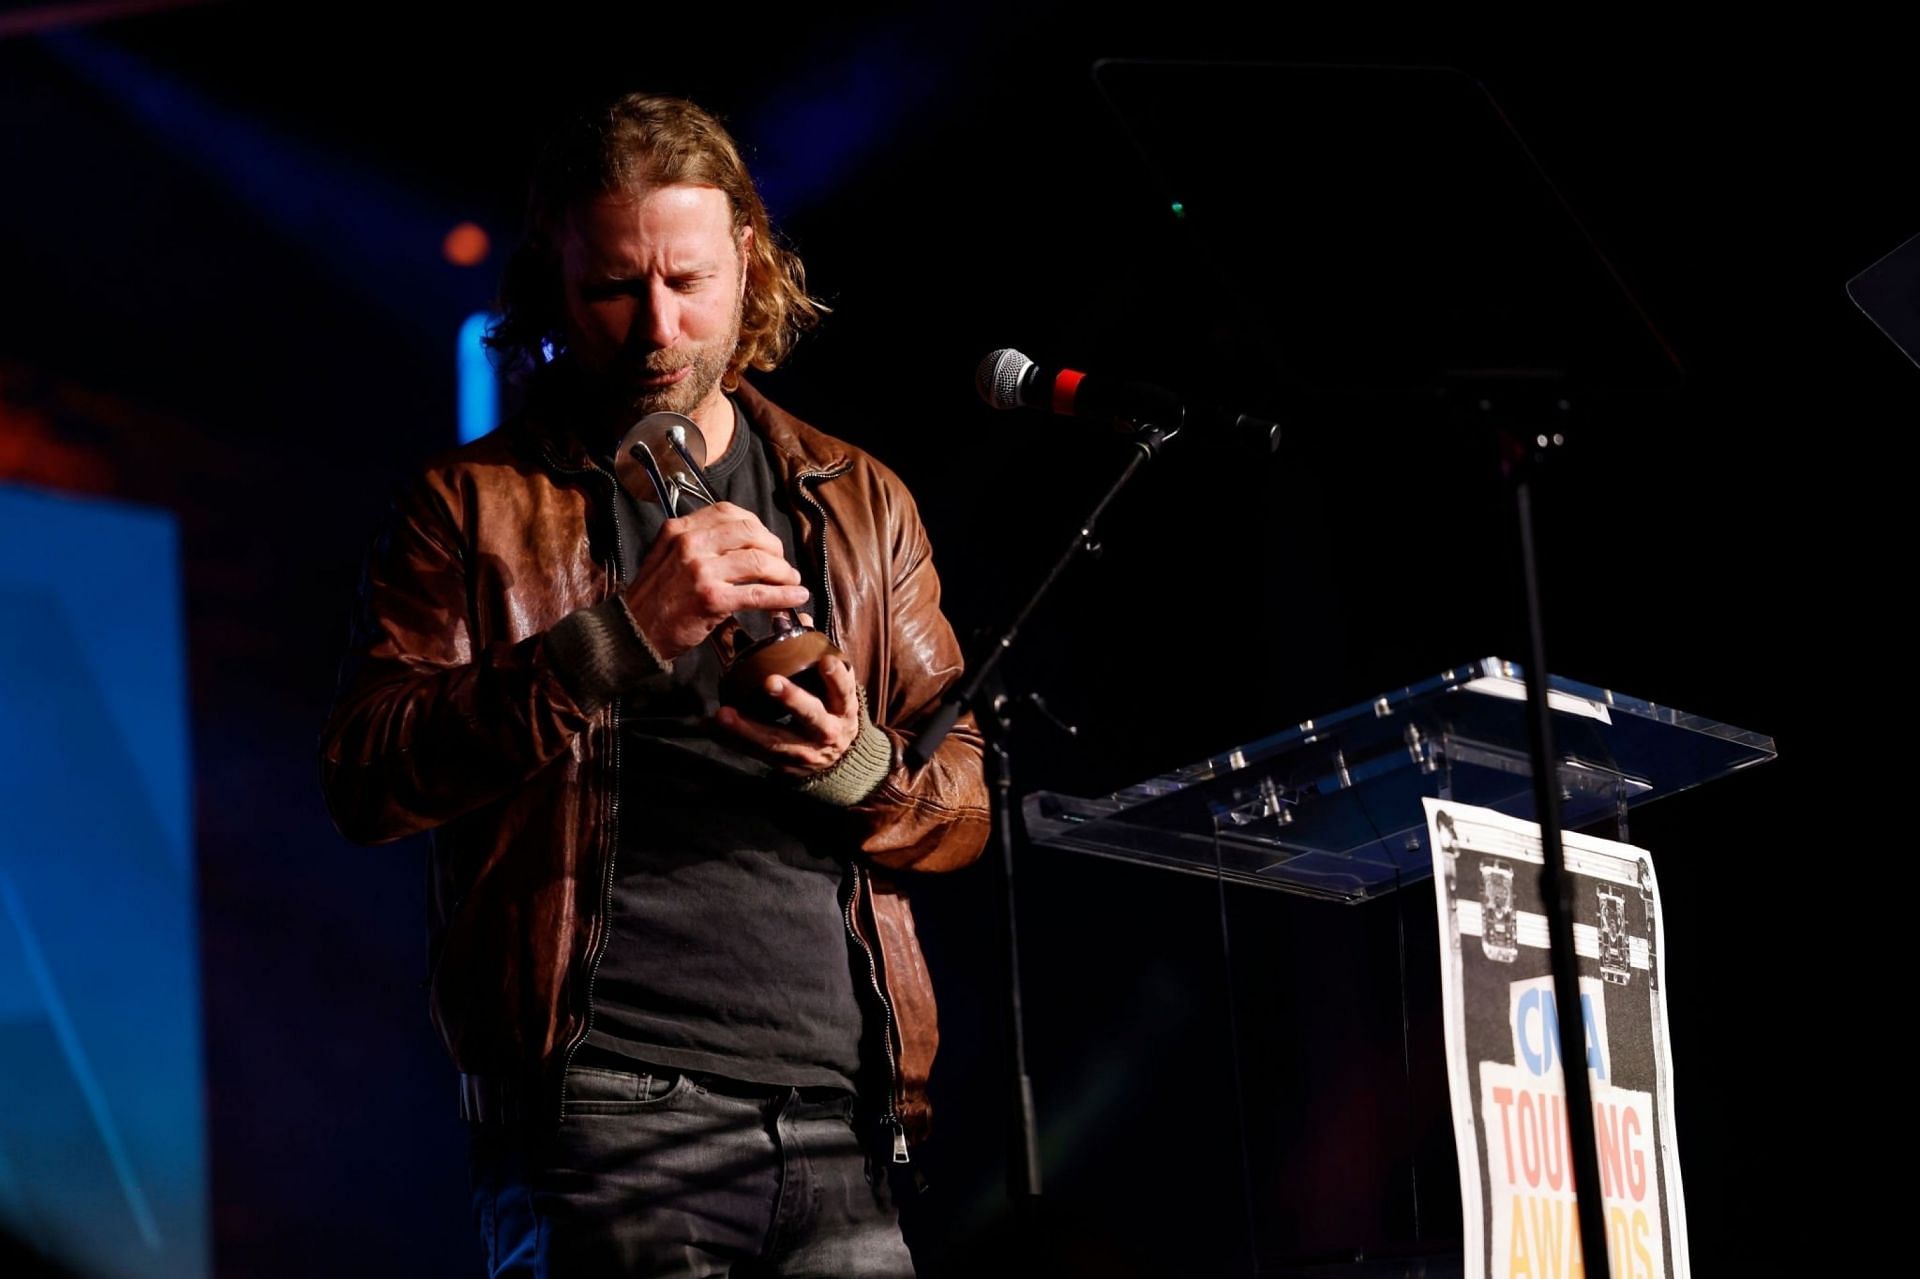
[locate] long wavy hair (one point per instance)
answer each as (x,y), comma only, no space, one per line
(635,143)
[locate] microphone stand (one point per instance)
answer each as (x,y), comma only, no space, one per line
(1525,455)
(994,715)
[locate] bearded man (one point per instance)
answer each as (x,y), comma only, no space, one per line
(671,962)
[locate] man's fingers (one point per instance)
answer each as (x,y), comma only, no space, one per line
(740,567)
(773,740)
(758,595)
(841,697)
(815,736)
(715,530)
(792,754)
(818,722)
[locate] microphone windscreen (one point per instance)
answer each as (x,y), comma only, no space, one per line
(999,377)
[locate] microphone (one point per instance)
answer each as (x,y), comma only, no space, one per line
(1006,379)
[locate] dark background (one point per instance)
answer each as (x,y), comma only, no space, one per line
(221,292)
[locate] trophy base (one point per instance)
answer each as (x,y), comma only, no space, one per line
(793,655)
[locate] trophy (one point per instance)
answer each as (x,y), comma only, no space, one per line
(660,460)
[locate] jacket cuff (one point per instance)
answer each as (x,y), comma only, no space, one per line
(859,772)
(601,654)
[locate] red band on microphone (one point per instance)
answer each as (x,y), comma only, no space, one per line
(1065,386)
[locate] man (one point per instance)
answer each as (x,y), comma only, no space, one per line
(690,1016)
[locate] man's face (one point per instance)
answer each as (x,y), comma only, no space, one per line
(654,283)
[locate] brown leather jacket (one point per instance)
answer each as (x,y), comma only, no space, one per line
(451,717)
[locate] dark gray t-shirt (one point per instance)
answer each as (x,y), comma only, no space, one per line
(729,952)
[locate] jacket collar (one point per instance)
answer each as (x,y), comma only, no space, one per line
(799,450)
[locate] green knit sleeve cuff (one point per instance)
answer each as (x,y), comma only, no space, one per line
(601,654)
(859,772)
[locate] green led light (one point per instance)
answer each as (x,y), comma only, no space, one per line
(1179,209)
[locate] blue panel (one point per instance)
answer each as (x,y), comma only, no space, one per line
(102,1134)
(479,384)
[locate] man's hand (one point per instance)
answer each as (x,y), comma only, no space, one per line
(702,569)
(820,731)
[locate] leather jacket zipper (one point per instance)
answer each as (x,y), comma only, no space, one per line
(827,621)
(613,803)
(891,1119)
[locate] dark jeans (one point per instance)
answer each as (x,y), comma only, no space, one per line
(678,1175)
